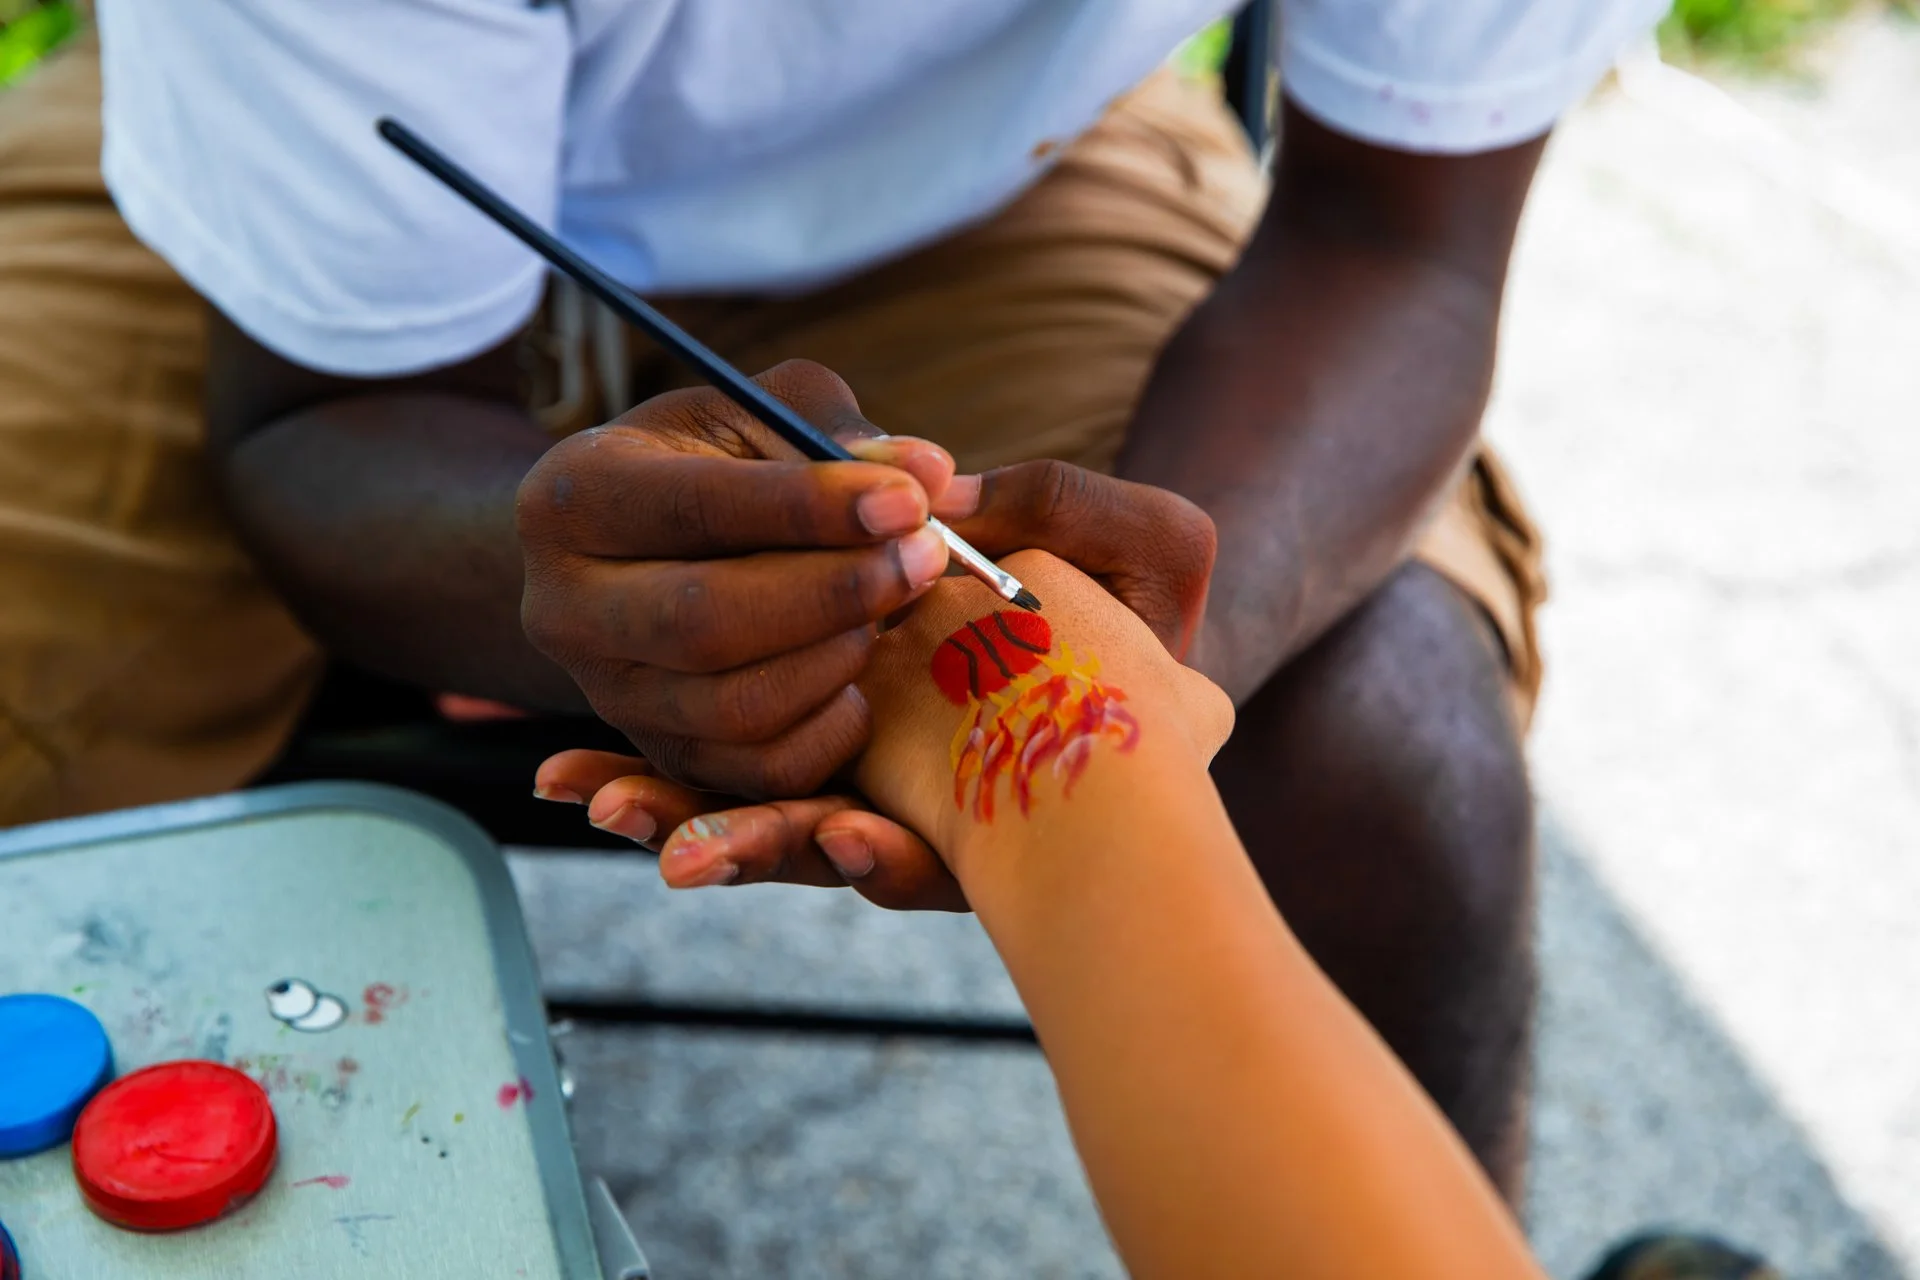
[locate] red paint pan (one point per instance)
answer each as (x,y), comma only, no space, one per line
(174,1145)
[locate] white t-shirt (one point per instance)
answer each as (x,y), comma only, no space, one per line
(691,145)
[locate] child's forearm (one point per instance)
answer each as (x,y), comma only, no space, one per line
(1236,1116)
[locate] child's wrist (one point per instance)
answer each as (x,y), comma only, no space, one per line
(989,717)
(1069,812)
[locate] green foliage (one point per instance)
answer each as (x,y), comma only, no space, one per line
(29,29)
(1203,54)
(1755,33)
(1758,34)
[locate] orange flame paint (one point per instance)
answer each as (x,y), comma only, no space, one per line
(1047,716)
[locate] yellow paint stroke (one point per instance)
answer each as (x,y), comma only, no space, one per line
(407,1119)
(1050,714)
(459,1117)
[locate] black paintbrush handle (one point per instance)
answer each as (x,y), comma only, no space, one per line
(736,386)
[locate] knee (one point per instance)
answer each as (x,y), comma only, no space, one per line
(1413,847)
(1381,786)
(1461,840)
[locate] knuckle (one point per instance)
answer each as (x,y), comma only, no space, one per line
(861,590)
(1061,490)
(714,421)
(652,701)
(541,494)
(656,415)
(845,592)
(785,833)
(687,502)
(1190,532)
(689,419)
(790,770)
(801,379)
(750,706)
(801,505)
(545,627)
(686,628)
(671,755)
(609,690)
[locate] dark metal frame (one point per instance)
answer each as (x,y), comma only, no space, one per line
(1249,71)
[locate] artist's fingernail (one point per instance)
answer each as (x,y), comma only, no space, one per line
(631,821)
(559,795)
(890,509)
(850,855)
(687,867)
(869,448)
(706,827)
(923,557)
(719,871)
(962,497)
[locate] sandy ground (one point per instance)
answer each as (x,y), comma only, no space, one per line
(1711,393)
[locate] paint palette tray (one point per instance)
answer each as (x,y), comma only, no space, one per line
(359,952)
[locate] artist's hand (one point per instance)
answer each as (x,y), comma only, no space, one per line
(715,597)
(713,594)
(707,839)
(984,716)
(830,841)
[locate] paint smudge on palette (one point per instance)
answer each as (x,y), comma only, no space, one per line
(298,1077)
(145,1021)
(355,1227)
(214,1038)
(379,1000)
(114,938)
(336,1181)
(518,1091)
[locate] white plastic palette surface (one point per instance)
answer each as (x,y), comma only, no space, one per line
(421,1129)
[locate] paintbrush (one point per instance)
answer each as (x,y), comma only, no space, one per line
(703,360)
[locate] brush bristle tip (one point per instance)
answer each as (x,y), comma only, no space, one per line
(1027,600)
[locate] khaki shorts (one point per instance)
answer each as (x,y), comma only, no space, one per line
(143,658)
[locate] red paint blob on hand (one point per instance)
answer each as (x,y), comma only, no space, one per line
(988,654)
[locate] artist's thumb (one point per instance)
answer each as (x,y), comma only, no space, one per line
(888,864)
(1150,547)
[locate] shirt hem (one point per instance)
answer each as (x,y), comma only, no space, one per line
(361,347)
(1444,119)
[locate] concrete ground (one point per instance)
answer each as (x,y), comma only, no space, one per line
(1711,388)
(1711,392)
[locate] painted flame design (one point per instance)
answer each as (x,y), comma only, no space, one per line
(1048,718)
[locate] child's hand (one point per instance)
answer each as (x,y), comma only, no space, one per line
(709,838)
(981,710)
